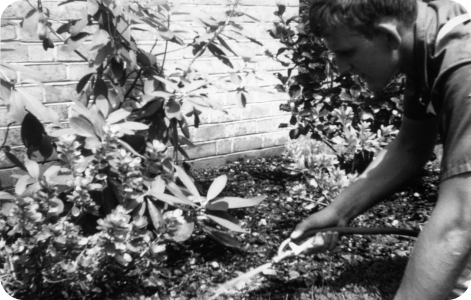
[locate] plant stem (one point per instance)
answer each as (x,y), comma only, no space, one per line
(132,87)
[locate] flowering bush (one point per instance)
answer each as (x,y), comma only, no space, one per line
(95,224)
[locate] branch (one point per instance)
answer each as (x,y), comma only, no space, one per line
(216,34)
(62,40)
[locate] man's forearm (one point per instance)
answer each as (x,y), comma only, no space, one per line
(399,162)
(444,246)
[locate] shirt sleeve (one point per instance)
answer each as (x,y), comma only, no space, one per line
(455,121)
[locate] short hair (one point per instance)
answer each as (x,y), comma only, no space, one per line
(360,15)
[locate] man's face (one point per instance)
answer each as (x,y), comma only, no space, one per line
(372,59)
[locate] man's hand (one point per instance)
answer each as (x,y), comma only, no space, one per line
(322,241)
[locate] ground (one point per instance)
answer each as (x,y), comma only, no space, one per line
(363,267)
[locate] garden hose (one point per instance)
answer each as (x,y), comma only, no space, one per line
(362,231)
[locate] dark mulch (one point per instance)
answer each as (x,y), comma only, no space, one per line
(364,267)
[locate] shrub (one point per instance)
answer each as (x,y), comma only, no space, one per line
(95,224)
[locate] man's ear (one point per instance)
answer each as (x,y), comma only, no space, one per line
(392,34)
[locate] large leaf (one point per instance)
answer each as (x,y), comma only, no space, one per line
(155,215)
(225,219)
(46,149)
(100,39)
(172,200)
(82,126)
(36,107)
(100,88)
(78,26)
(74,42)
(117,116)
(187,181)
(16,107)
(81,84)
(6,196)
(61,132)
(235,202)
(33,168)
(168,83)
(222,237)
(173,109)
(31,131)
(31,22)
(20,186)
(157,186)
(133,126)
(216,187)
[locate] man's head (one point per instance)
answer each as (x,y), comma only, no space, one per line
(370,38)
(359,15)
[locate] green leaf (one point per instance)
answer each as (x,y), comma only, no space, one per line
(31,131)
(78,26)
(223,42)
(74,42)
(133,126)
(92,142)
(81,84)
(223,206)
(6,208)
(100,88)
(82,126)
(155,215)
(216,187)
(172,200)
(37,108)
(11,157)
(20,186)
(187,181)
(173,109)
(32,167)
(61,132)
(16,108)
(235,202)
(31,22)
(100,39)
(6,196)
(157,186)
(52,171)
(226,220)
(222,237)
(5,90)
(117,116)
(97,119)
(168,83)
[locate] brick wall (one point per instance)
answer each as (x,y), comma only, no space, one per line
(243,132)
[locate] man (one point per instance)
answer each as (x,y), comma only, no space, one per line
(431,45)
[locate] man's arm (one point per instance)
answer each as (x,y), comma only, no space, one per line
(401,160)
(443,247)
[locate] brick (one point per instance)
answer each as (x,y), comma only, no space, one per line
(202,150)
(6,180)
(241,128)
(272,124)
(257,110)
(14,52)
(233,114)
(275,138)
(72,56)
(50,72)
(4,117)
(62,110)
(7,33)
(19,152)
(224,146)
(65,93)
(258,97)
(77,71)
(247,143)
(37,53)
(215,66)
(174,51)
(13,139)
(208,132)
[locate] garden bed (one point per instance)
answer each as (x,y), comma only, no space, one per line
(363,267)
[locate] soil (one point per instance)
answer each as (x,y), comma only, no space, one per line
(363,267)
